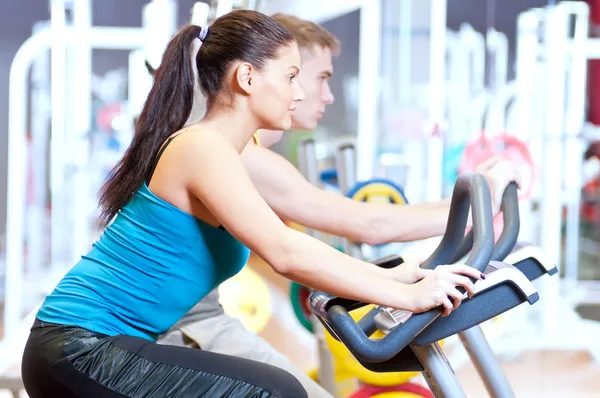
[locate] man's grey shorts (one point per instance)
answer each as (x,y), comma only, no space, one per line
(207,327)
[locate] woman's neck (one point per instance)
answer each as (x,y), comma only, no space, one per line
(237,127)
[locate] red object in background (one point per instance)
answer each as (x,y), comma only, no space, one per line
(367,391)
(593,151)
(594,66)
(590,211)
(107,113)
(506,146)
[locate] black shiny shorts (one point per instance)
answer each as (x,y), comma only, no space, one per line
(66,361)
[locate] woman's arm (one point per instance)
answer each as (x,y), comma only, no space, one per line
(216,175)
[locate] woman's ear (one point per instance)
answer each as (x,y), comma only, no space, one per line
(243,77)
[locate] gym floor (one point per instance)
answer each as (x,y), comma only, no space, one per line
(547,374)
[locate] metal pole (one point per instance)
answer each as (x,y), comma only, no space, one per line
(486,363)
(307,161)
(553,151)
(574,124)
(307,164)
(367,135)
(37,231)
(80,115)
(346,167)
(58,151)
(346,170)
(438,373)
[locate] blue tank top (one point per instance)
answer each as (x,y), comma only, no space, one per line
(147,270)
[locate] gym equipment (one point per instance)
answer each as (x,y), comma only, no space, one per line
(526,258)
(410,341)
(380,189)
(354,380)
(299,298)
(508,147)
(377,190)
(529,260)
(553,50)
(329,176)
(473,339)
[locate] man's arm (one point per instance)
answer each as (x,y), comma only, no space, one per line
(293,198)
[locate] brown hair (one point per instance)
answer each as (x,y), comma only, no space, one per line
(308,34)
(239,35)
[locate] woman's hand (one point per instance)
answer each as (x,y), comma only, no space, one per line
(439,288)
(409,271)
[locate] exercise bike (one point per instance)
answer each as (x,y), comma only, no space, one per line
(410,342)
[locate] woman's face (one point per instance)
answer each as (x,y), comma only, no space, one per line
(276,90)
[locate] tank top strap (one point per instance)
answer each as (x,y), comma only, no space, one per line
(160,152)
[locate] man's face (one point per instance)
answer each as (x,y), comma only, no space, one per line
(314,77)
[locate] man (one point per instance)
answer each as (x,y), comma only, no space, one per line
(287,192)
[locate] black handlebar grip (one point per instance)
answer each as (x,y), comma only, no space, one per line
(512,223)
(470,192)
(464,248)
(510,230)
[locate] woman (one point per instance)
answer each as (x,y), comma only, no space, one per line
(184,217)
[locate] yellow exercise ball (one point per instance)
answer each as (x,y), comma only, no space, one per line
(246,296)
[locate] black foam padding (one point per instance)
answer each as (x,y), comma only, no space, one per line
(404,361)
(464,248)
(471,191)
(531,268)
(510,230)
(367,323)
(512,223)
(481,308)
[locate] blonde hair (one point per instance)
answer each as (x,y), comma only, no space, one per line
(308,34)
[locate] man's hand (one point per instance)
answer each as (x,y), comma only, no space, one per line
(499,172)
